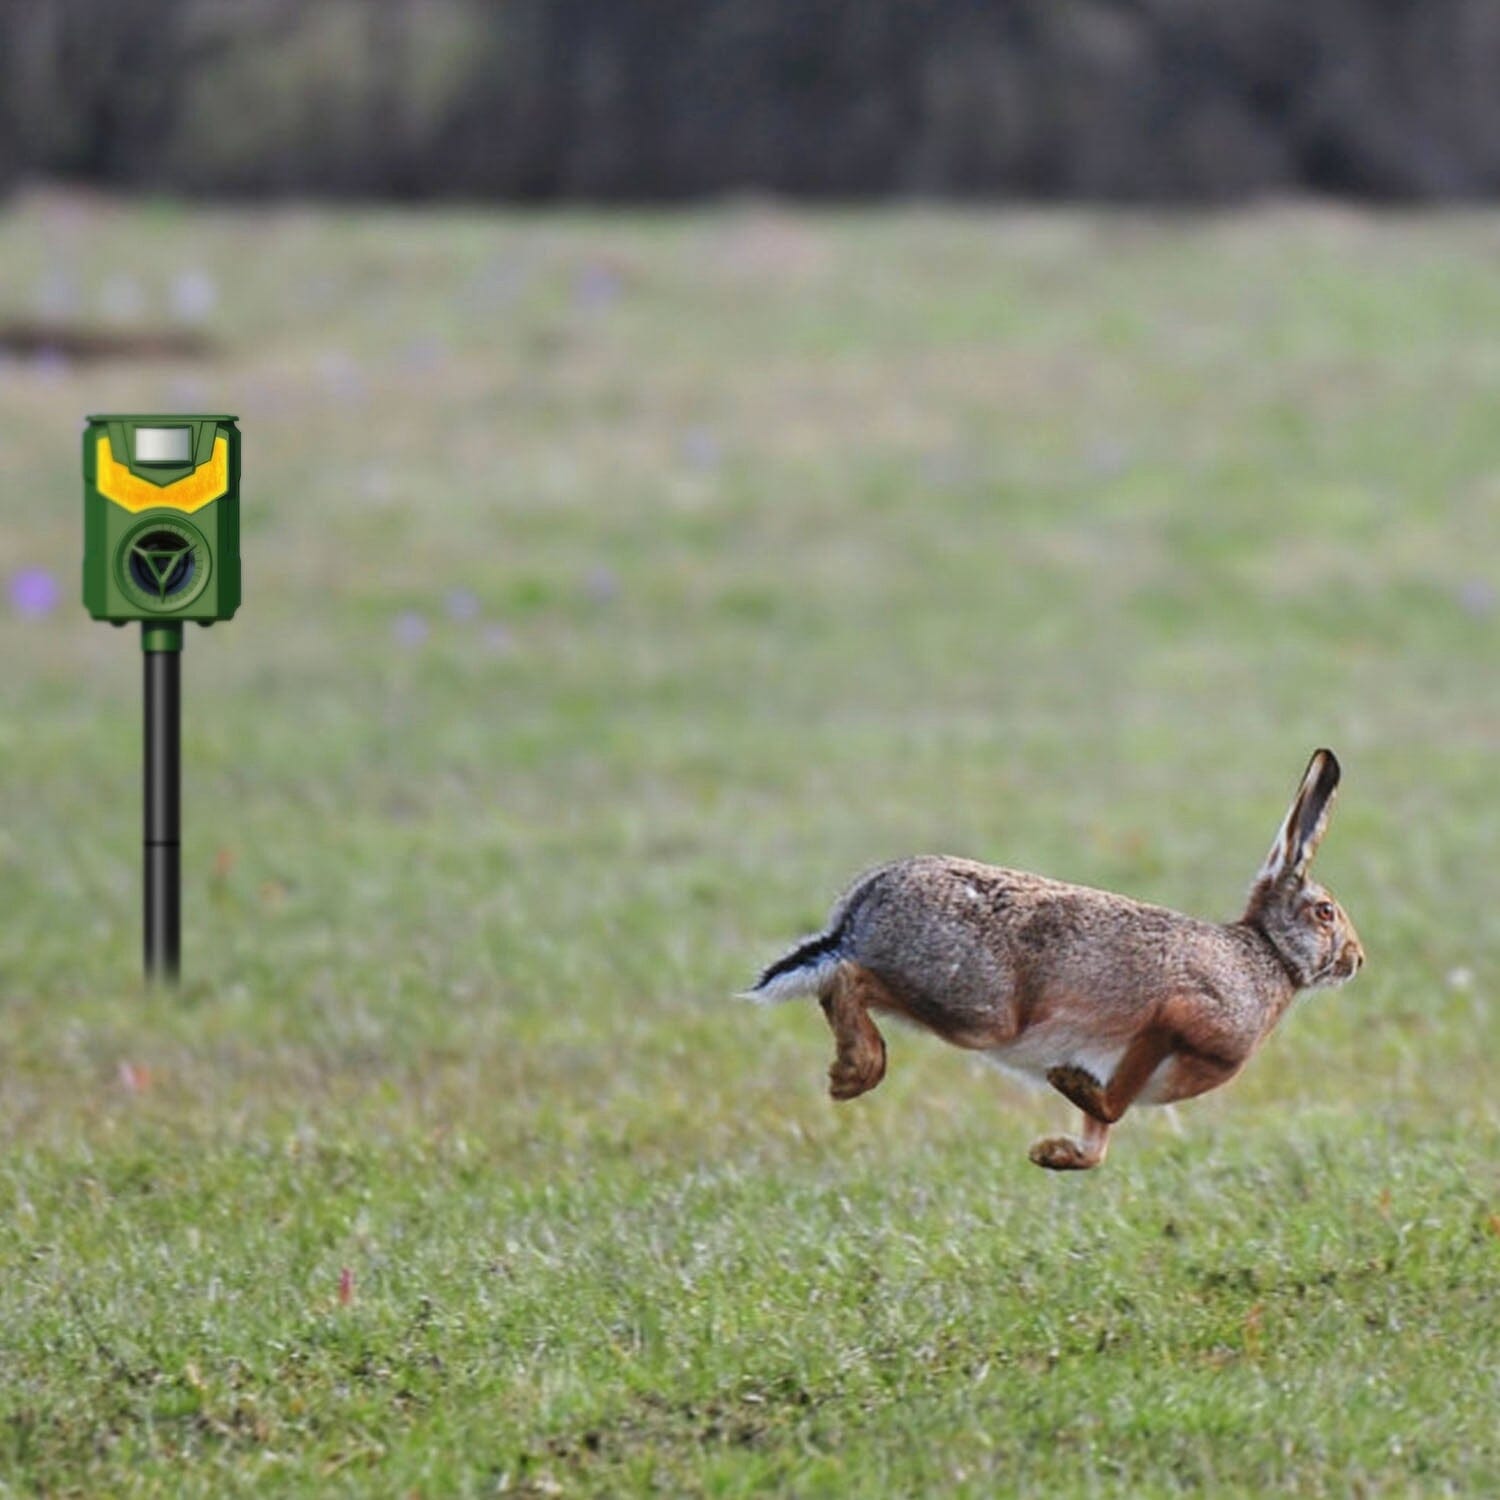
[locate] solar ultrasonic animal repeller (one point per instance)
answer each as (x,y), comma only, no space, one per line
(161,545)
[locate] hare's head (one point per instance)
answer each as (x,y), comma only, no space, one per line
(1309,929)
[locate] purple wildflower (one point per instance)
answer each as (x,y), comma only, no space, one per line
(602,585)
(410,628)
(596,287)
(1476,596)
(700,448)
(461,604)
(33,593)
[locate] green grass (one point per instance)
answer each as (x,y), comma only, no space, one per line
(752,549)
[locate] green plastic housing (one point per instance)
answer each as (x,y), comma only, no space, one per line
(161,517)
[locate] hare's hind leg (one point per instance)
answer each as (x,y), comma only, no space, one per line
(859,1058)
(1065,1153)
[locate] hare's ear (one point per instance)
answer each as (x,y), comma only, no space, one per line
(1306,820)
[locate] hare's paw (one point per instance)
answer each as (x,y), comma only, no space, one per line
(1079,1086)
(859,1048)
(856,1070)
(1061,1153)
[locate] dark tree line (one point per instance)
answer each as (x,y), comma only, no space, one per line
(660,99)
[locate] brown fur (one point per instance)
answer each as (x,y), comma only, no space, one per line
(859,1056)
(1069,983)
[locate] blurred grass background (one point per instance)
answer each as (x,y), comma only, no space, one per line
(617,586)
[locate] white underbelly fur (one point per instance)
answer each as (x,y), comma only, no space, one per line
(1040,1048)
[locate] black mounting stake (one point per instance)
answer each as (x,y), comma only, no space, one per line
(161,645)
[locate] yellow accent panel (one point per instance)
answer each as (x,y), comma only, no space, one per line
(191,492)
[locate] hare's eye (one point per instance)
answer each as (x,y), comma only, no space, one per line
(1323,911)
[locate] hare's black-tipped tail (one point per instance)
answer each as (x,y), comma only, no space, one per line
(800,972)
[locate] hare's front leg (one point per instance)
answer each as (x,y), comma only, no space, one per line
(859,1058)
(1065,1153)
(1102,1103)
(1106,1102)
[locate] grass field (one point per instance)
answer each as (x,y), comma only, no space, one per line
(616,588)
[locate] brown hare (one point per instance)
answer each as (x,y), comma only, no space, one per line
(1111,1001)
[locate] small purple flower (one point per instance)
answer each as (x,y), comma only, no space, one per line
(499,639)
(596,287)
(410,628)
(424,355)
(461,604)
(33,593)
(602,585)
(50,364)
(1476,596)
(700,448)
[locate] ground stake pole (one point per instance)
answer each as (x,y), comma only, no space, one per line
(161,646)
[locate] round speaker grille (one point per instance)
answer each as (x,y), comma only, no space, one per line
(163,565)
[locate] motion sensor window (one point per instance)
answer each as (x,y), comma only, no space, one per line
(163,445)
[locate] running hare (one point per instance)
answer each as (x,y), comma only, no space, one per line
(1111,1001)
